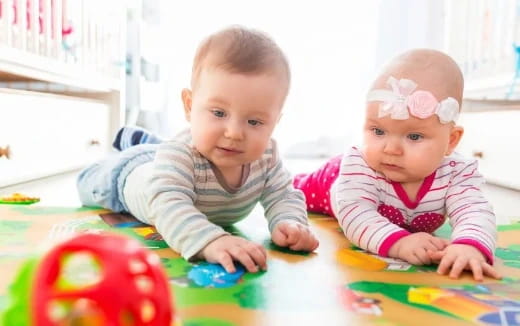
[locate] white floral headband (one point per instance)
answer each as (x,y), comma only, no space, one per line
(422,104)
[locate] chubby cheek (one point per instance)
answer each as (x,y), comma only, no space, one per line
(258,147)
(202,140)
(371,155)
(422,165)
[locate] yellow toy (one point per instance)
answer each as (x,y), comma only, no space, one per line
(19,199)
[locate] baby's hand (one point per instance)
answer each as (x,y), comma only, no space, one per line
(296,236)
(227,248)
(414,248)
(458,257)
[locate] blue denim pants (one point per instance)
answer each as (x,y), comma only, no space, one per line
(101,184)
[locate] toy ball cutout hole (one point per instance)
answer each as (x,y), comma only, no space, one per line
(79,270)
(127,319)
(147,311)
(144,284)
(82,312)
(136,266)
(153,259)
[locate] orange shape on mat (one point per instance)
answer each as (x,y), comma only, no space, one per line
(361,260)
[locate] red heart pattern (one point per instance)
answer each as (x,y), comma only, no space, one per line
(427,222)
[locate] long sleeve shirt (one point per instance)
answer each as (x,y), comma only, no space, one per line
(189,201)
(374,212)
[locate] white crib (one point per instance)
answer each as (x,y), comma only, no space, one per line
(61,84)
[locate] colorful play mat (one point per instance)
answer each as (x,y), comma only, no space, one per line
(337,285)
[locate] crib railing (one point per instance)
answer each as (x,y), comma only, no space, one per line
(482,36)
(84,33)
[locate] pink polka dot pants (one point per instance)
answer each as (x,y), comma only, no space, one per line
(316,186)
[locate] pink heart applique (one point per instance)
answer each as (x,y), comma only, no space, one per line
(427,222)
(392,214)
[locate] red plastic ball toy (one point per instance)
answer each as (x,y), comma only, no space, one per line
(121,284)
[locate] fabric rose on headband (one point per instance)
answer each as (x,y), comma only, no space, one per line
(448,110)
(422,104)
(402,101)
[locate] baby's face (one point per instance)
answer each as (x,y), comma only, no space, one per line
(233,115)
(404,150)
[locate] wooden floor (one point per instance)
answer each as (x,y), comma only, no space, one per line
(61,191)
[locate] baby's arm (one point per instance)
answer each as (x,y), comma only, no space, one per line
(285,209)
(182,225)
(355,198)
(474,226)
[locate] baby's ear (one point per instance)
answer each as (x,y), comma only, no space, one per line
(186,101)
(455,136)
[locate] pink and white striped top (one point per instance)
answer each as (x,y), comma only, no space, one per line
(375,212)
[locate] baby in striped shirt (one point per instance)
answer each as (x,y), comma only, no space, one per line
(214,174)
(390,194)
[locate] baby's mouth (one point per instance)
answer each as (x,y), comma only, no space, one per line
(230,150)
(391,166)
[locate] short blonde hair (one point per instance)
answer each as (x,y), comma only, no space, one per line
(237,49)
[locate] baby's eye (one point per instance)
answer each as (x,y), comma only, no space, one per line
(378,132)
(415,137)
(218,113)
(254,122)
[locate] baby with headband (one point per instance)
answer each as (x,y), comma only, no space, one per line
(393,192)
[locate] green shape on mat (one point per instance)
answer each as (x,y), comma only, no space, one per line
(510,255)
(250,298)
(24,202)
(14,226)
(176,267)
(508,227)
(238,294)
(17,310)
(397,292)
(13,232)
(507,254)
(3,302)
(40,210)
(514,247)
(270,245)
(512,263)
(206,322)
(247,292)
(150,244)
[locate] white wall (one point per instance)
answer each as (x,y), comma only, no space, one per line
(408,24)
(330,45)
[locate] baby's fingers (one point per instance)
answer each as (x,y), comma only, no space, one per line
(294,235)
(258,254)
(306,241)
(439,243)
(226,261)
(436,255)
(279,237)
(491,271)
(241,255)
(422,256)
(458,266)
(476,268)
(445,264)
